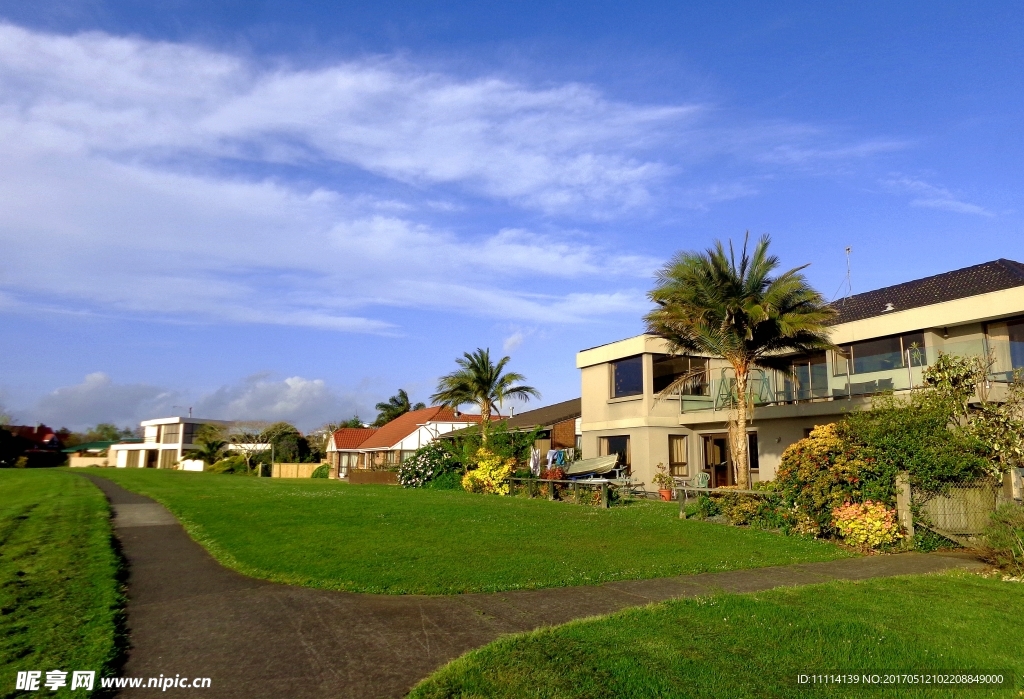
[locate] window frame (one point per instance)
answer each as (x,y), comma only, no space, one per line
(613,371)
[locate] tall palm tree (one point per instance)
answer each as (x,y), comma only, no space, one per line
(482,382)
(709,305)
(395,406)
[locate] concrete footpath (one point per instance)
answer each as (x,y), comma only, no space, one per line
(190,616)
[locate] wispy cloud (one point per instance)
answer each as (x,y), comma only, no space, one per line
(175,182)
(930,196)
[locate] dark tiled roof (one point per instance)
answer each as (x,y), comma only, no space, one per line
(547,416)
(948,286)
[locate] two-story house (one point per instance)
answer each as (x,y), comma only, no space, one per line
(884,339)
(165,442)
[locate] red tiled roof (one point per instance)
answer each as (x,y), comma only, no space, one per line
(404,425)
(40,435)
(352,437)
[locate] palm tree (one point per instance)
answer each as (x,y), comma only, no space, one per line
(708,305)
(211,445)
(396,405)
(482,382)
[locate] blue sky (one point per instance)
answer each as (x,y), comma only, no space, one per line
(289,210)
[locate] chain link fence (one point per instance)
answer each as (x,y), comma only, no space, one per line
(960,511)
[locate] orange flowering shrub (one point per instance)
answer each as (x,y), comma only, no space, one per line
(867,524)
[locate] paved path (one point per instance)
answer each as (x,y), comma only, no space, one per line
(189,615)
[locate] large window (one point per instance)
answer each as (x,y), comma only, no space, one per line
(1006,343)
(668,368)
(168,457)
(190,430)
(616,445)
(628,377)
(132,460)
(883,354)
(677,455)
(807,378)
(169,434)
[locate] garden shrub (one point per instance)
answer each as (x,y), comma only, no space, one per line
(490,475)
(917,435)
(449,480)
(817,475)
(752,510)
(427,464)
(321,471)
(1004,538)
(231,464)
(869,525)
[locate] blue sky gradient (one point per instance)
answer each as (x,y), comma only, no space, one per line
(289,210)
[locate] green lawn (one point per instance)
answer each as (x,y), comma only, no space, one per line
(755,645)
(328,534)
(59,594)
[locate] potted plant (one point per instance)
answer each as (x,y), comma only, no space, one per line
(663,479)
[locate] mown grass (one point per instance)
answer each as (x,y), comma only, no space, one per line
(60,596)
(755,645)
(386,539)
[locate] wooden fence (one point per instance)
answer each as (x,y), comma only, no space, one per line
(293,470)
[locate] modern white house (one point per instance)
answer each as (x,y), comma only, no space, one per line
(165,442)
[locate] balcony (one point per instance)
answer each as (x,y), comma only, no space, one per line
(811,382)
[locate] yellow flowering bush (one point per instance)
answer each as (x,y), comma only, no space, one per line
(490,475)
(868,524)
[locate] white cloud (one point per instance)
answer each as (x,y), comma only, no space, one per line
(303,402)
(513,341)
(157,180)
(553,148)
(98,399)
(933,197)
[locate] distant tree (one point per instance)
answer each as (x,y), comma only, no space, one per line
(289,446)
(211,444)
(480,381)
(107,432)
(356,421)
(249,439)
(395,406)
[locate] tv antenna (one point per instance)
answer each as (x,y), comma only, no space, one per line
(847,282)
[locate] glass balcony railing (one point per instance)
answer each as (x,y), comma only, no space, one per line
(810,383)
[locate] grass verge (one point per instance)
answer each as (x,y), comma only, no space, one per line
(385,539)
(60,593)
(755,645)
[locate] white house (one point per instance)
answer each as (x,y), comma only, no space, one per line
(165,442)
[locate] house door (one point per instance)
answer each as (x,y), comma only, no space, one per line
(716,459)
(151,457)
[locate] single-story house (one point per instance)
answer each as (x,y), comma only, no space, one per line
(557,425)
(397,440)
(343,449)
(93,453)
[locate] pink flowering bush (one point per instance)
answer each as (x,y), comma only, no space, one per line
(867,525)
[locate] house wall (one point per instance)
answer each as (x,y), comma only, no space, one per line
(563,434)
